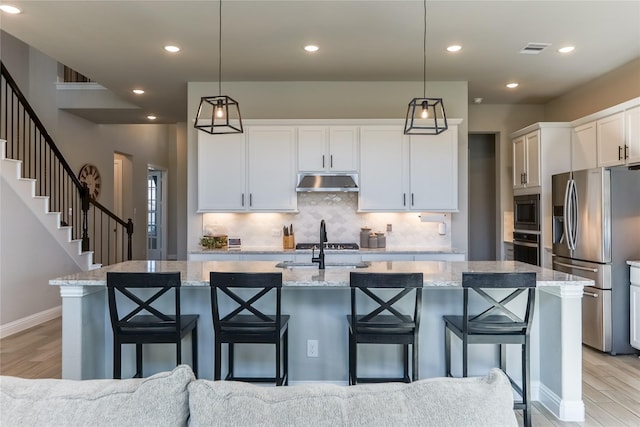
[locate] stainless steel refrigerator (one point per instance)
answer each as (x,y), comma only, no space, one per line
(596,229)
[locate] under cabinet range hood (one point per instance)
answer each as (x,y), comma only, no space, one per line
(327,183)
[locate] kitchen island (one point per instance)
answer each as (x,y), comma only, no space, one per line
(318,301)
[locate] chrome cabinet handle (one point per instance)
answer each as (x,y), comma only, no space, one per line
(243,199)
(412,199)
(404,199)
(619,152)
(250,199)
(331,159)
(626,151)
(323,161)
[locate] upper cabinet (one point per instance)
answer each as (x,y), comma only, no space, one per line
(539,151)
(526,160)
(610,141)
(250,172)
(328,148)
(402,173)
(610,137)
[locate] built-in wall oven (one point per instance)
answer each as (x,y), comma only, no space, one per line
(526,246)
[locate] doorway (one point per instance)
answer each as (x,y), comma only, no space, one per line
(482,197)
(156,213)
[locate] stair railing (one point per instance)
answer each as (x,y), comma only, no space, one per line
(99,229)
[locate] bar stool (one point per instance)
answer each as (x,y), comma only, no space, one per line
(232,327)
(374,327)
(503,321)
(134,327)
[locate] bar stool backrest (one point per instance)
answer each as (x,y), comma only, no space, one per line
(246,312)
(147,297)
(503,313)
(386,305)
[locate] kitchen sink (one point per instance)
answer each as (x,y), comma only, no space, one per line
(292,264)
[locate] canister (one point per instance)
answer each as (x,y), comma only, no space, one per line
(373,240)
(382,240)
(364,237)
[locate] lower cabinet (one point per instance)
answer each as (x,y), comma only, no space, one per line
(634,313)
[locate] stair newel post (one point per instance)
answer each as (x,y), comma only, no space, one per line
(129,234)
(84,196)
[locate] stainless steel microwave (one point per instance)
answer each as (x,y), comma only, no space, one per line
(526,212)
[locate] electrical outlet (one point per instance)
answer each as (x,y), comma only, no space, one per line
(276,232)
(312,348)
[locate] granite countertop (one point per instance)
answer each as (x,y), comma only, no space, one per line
(634,263)
(274,250)
(444,274)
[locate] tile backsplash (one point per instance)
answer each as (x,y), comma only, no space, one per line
(339,210)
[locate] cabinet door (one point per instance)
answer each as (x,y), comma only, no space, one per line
(434,171)
(632,121)
(583,147)
(519,157)
(381,169)
(610,131)
(532,171)
(271,169)
(221,173)
(635,316)
(343,149)
(312,148)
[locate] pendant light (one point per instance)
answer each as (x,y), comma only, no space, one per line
(425,116)
(219,114)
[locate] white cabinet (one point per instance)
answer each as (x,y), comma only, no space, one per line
(254,171)
(583,147)
(526,160)
(382,169)
(221,172)
(434,171)
(271,169)
(612,150)
(328,148)
(634,313)
(400,173)
(632,122)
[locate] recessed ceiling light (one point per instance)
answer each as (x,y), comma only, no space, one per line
(151,117)
(477,100)
(512,85)
(311,48)
(138,91)
(454,48)
(566,49)
(9,9)
(172,49)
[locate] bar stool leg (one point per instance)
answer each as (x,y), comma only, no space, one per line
(117,360)
(217,364)
(230,351)
(194,351)
(285,357)
(465,355)
(278,377)
(416,359)
(447,352)
(526,382)
(405,351)
(138,361)
(179,353)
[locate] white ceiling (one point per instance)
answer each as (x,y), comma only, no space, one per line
(119,44)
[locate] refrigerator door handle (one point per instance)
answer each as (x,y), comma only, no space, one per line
(577,267)
(565,214)
(573,209)
(589,294)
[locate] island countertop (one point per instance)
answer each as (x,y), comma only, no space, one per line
(436,273)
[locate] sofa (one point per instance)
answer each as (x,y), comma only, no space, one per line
(177,398)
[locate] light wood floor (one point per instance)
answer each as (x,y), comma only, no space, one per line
(611,384)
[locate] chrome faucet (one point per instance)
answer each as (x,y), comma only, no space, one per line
(323,238)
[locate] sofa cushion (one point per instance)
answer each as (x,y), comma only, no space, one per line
(481,401)
(159,400)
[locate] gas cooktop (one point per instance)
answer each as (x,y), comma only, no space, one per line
(331,246)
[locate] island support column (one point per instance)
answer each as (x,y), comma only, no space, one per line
(84,317)
(561,351)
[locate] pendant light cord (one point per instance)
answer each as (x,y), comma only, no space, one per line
(424,51)
(220,48)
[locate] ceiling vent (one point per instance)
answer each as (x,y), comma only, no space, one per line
(534,48)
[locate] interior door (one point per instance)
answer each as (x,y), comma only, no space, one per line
(155,215)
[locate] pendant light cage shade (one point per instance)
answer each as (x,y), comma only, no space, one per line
(425,116)
(219,115)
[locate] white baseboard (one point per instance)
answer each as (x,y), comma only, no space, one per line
(564,410)
(29,321)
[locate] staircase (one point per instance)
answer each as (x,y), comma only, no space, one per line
(33,166)
(25,188)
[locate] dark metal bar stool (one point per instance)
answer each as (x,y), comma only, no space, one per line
(503,321)
(148,293)
(374,327)
(232,327)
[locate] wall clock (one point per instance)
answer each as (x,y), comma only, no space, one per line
(90,175)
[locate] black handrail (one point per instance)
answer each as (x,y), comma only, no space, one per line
(28,141)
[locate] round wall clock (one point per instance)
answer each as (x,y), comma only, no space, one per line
(90,175)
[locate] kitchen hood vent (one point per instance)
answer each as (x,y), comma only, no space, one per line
(327,183)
